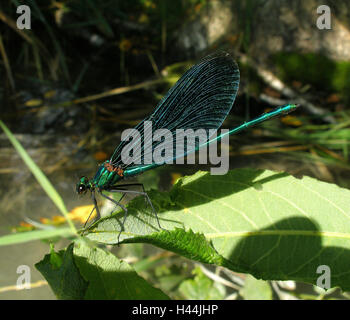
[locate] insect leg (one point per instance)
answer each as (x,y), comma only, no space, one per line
(118,189)
(133,185)
(120,205)
(95,207)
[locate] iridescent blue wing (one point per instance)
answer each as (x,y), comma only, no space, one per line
(200,99)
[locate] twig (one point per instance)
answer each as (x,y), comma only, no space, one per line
(7,64)
(30,285)
(281,294)
(219,279)
(117,91)
(38,225)
(239,281)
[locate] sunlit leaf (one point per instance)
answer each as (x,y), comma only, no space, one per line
(268,224)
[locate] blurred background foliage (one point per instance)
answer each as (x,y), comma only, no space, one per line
(89,69)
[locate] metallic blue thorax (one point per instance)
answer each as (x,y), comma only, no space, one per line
(105,178)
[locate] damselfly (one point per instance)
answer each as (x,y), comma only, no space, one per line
(200,99)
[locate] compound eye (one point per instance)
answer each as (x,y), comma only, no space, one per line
(81,189)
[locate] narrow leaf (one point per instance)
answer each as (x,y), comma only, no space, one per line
(22,237)
(38,174)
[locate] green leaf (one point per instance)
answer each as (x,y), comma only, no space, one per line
(55,258)
(169,277)
(27,236)
(111,278)
(256,289)
(83,271)
(271,225)
(201,288)
(186,243)
(65,280)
